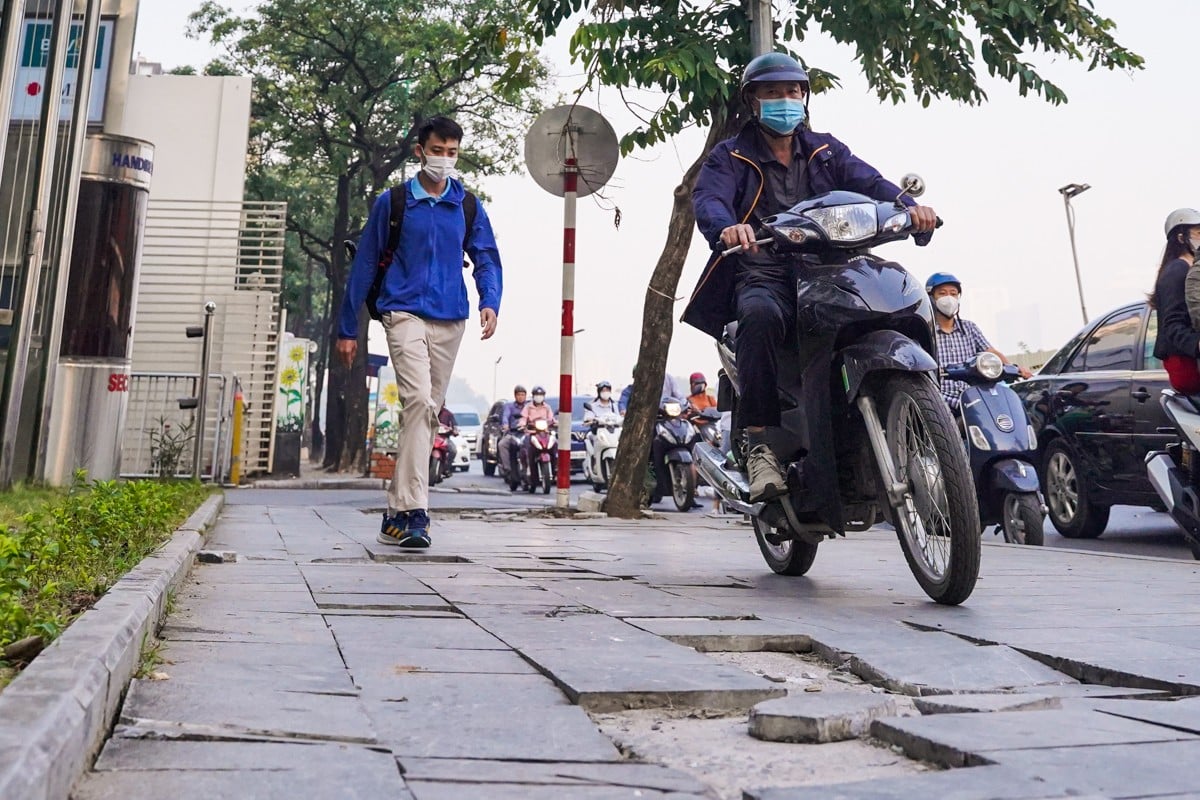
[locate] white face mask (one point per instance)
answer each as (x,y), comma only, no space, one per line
(947,304)
(1195,244)
(439,168)
(538,399)
(605,395)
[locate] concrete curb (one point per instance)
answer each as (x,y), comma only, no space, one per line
(320,483)
(56,715)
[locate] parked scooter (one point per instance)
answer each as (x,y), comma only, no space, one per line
(1175,472)
(864,348)
(601,443)
(439,460)
(674,436)
(1001,448)
(537,461)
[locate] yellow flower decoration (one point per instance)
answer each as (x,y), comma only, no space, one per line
(289,377)
(391,394)
(297,354)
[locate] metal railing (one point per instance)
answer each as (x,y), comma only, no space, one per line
(159,437)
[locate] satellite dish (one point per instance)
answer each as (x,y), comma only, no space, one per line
(571,132)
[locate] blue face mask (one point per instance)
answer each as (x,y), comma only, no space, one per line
(783,115)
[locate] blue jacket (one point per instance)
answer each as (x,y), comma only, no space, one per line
(425,277)
(728,189)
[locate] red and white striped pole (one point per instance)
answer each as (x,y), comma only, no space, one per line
(567,350)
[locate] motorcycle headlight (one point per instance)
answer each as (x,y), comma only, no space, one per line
(989,366)
(541,425)
(672,409)
(850,223)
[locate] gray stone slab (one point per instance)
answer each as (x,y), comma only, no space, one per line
(499,791)
(395,634)
(730,635)
(363,578)
(957,740)
(185,770)
(275,628)
(1157,770)
(979,783)
(383,602)
(491,717)
(818,718)
(376,672)
(246,573)
(179,706)
(253,677)
(628,599)
(938,663)
(43,737)
(604,664)
(652,777)
(984,703)
(1183,714)
(1126,665)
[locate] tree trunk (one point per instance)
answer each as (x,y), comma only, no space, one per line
(628,482)
(341,428)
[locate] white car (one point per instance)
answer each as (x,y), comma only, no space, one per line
(470,427)
(462,457)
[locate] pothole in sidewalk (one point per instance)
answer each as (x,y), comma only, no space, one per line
(717,748)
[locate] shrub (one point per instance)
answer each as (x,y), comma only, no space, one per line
(62,555)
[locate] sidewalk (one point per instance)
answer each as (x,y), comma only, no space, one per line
(598,659)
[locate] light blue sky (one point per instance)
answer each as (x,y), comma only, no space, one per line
(992,172)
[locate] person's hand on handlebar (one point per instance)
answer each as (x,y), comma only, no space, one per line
(742,235)
(923,218)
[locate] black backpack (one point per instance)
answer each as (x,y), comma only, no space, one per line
(396,196)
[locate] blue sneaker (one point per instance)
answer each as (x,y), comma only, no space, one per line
(392,529)
(417,532)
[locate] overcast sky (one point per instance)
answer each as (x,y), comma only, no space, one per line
(992,174)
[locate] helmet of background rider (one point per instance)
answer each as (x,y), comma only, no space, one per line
(698,382)
(539,395)
(773,67)
(1178,225)
(948,305)
(518,389)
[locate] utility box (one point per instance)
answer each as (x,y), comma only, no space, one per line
(91,384)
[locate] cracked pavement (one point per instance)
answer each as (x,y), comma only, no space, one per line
(608,659)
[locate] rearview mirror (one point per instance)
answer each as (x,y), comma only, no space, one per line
(913,185)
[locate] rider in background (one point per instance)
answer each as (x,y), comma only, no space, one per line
(700,399)
(958,340)
(602,405)
(509,421)
(1178,342)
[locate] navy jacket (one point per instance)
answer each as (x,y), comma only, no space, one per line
(728,189)
(1176,337)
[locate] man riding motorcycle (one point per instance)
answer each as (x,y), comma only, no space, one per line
(530,414)
(958,340)
(510,419)
(775,162)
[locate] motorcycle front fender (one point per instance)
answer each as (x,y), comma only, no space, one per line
(1014,475)
(680,456)
(880,351)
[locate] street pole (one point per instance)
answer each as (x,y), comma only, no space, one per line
(495,369)
(567,345)
(202,391)
(762,35)
(1069,191)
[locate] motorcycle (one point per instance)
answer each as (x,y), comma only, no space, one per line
(675,435)
(1001,448)
(1175,472)
(439,460)
(708,425)
(601,443)
(862,365)
(536,463)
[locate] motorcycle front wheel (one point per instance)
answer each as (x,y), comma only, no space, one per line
(784,555)
(683,486)
(547,480)
(937,520)
(1023,519)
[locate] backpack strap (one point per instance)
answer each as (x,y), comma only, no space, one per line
(397,199)
(470,206)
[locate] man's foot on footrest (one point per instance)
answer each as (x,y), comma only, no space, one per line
(766,477)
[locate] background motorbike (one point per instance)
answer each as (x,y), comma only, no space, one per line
(675,435)
(601,444)
(439,459)
(512,475)
(537,460)
(1002,449)
(1175,472)
(864,348)
(708,425)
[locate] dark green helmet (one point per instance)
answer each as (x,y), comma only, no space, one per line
(773,67)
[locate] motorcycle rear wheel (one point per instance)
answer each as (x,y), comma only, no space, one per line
(435,470)
(1023,519)
(938,520)
(790,556)
(489,469)
(683,486)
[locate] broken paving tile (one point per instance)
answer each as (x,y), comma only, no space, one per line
(818,718)
(383,602)
(979,783)
(621,773)
(729,635)
(971,703)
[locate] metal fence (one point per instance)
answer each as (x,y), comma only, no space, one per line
(159,437)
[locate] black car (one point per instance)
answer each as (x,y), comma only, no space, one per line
(578,429)
(489,438)
(1095,409)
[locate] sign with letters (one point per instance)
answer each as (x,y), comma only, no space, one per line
(29,89)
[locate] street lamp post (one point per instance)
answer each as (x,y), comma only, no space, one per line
(495,369)
(1069,191)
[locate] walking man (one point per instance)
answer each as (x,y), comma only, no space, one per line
(423,306)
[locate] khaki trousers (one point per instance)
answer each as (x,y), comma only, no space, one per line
(423,353)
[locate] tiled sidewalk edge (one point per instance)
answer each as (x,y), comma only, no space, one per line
(55,716)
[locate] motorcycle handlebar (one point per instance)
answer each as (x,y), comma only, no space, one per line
(921,239)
